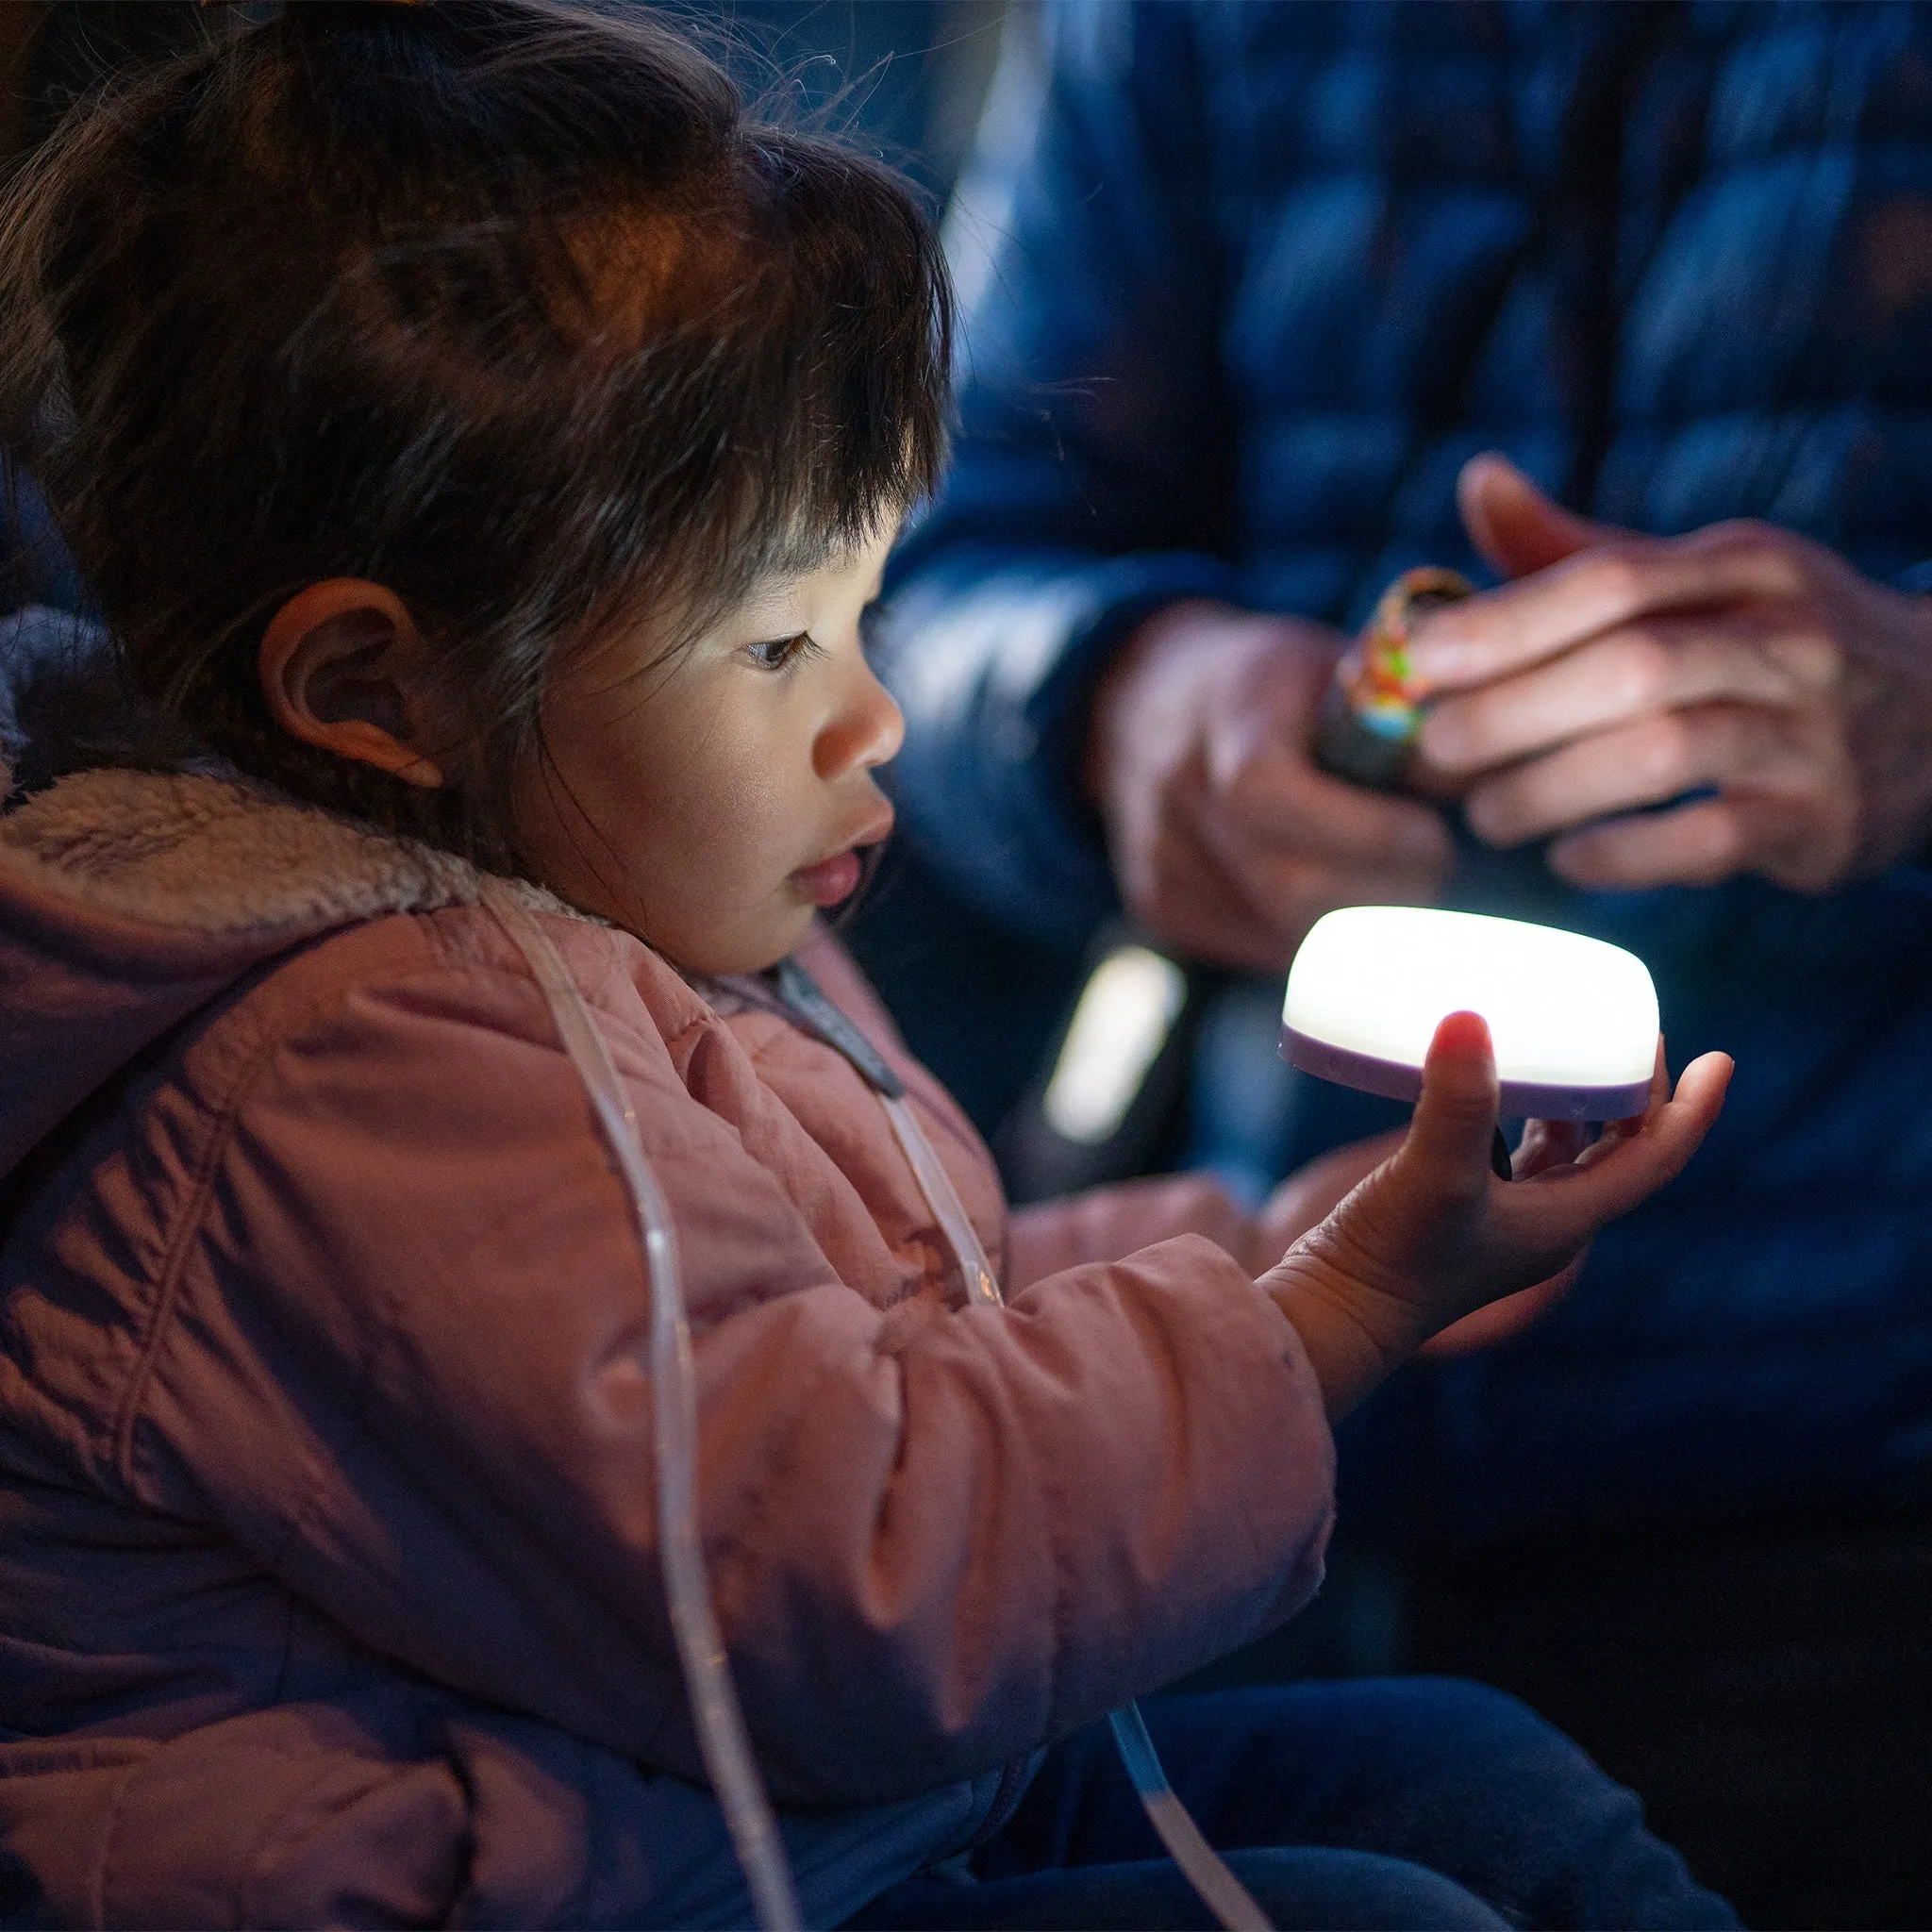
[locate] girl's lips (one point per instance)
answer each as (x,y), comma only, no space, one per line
(830,880)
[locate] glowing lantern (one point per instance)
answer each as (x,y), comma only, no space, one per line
(1573,1021)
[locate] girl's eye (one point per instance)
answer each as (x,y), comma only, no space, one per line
(777,653)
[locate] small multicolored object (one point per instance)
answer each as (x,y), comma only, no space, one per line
(1370,715)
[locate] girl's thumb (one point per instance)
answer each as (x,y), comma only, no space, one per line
(1455,1118)
(1513,524)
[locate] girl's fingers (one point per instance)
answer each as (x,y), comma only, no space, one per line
(1547,1144)
(1446,1155)
(1637,1157)
(1449,1139)
(1616,1131)
(1683,1121)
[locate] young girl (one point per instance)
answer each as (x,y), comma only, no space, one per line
(483,441)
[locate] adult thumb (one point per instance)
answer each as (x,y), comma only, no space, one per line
(1512,523)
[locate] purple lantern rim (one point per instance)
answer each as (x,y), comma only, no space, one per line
(1521,1099)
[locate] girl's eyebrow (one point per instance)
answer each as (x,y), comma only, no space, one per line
(772,608)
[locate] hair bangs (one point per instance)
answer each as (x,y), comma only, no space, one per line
(509,306)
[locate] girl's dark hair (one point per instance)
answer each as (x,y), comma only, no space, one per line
(508,305)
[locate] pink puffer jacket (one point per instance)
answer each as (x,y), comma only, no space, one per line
(328,1581)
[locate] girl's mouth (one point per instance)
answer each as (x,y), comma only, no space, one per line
(831,880)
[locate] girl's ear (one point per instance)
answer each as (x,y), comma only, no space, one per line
(343,666)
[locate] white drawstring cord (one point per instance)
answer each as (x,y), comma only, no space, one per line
(720,1723)
(1222,1892)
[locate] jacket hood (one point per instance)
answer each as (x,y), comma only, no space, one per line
(129,899)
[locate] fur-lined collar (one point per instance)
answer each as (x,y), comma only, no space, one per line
(130,899)
(200,851)
(222,857)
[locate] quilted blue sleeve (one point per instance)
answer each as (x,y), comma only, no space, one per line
(1091,481)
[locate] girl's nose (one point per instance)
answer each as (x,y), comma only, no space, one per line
(867,730)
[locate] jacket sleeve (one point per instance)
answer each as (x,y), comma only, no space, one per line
(405,1367)
(1104,1223)
(1092,479)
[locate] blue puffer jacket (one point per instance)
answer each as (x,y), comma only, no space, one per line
(1249,287)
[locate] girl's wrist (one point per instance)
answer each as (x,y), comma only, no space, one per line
(1355,1337)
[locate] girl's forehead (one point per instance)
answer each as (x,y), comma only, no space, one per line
(857,567)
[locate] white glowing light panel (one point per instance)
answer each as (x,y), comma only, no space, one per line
(1573,1021)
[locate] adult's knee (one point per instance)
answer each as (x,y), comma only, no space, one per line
(1451,1776)
(1310,1887)
(1299,1890)
(1514,1810)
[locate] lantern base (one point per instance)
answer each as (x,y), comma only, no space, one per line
(1521,1099)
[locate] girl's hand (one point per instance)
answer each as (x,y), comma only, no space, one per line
(1432,1234)
(1314,1191)
(1545,1145)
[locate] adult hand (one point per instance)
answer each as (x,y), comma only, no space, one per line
(1618,672)
(1432,1234)
(1226,842)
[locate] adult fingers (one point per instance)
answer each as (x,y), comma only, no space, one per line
(1344,846)
(1178,887)
(1291,890)
(1749,656)
(1514,526)
(1651,760)
(1803,843)
(1275,794)
(1613,584)
(1208,888)
(1214,894)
